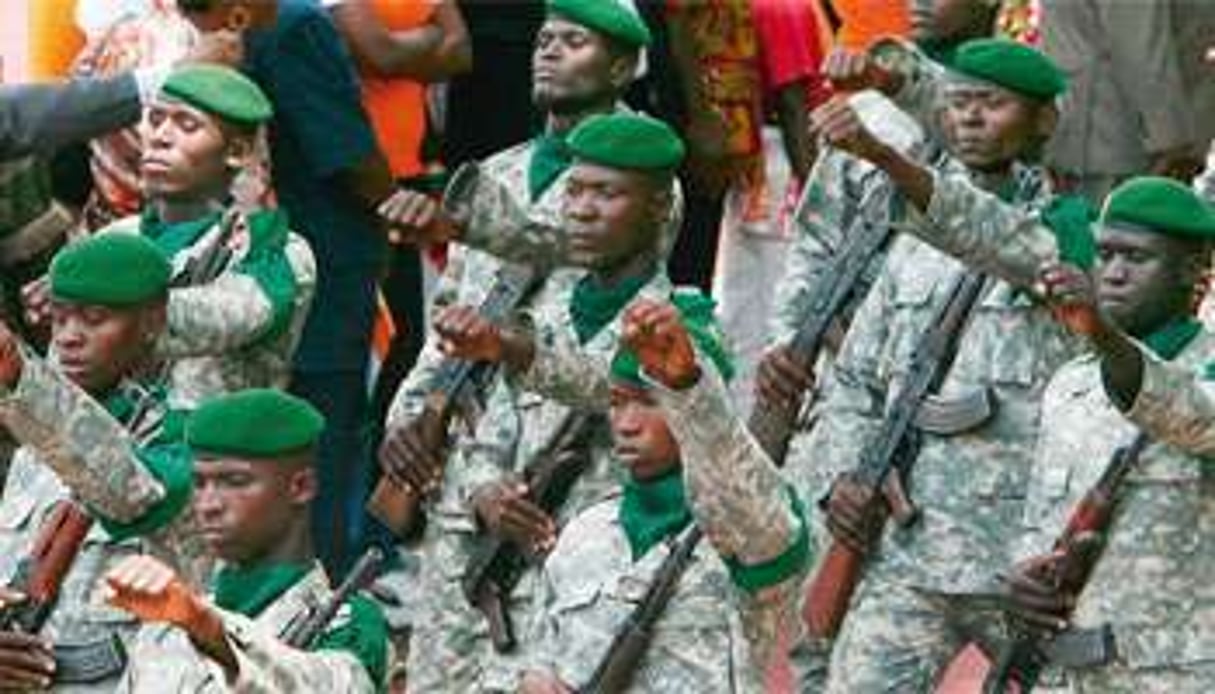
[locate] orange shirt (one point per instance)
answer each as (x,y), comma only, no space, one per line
(864,21)
(54,39)
(397,107)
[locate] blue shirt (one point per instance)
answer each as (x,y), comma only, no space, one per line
(320,130)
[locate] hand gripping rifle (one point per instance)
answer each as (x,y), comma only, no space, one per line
(1012,661)
(496,565)
(459,386)
(303,631)
(886,462)
(832,295)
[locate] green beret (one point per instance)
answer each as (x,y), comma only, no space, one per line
(1160,205)
(1011,65)
(220,91)
(111,269)
(696,313)
(627,141)
(611,17)
(256,423)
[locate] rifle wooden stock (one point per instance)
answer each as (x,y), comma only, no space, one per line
(972,670)
(887,460)
(458,382)
(41,574)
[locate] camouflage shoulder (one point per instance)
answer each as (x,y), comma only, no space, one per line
(508,157)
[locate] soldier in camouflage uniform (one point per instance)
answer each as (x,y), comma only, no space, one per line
(1148,372)
(970,474)
(583,62)
(242,280)
(620,193)
(254,485)
(688,459)
(95,433)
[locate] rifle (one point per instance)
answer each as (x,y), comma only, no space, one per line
(496,565)
(303,631)
(211,261)
(885,464)
(837,288)
(1013,663)
(458,386)
(629,644)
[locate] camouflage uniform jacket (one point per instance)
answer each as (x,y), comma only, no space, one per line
(241,329)
(970,484)
(712,636)
(1152,582)
(1205,183)
(164,660)
(74,449)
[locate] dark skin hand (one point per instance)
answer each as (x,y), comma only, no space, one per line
(1043,589)
(26,662)
(781,381)
(851,71)
(416,218)
(505,510)
(413,454)
(854,515)
(10,358)
(466,334)
(1074,303)
(654,331)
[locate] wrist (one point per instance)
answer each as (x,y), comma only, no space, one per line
(685,380)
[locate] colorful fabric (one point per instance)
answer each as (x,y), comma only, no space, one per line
(627,141)
(862,22)
(1159,205)
(257,423)
(220,91)
(110,270)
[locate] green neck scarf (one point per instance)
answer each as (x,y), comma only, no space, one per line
(593,306)
(1167,342)
(550,157)
(653,510)
(174,237)
(249,591)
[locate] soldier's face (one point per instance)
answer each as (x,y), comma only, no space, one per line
(989,127)
(1145,280)
(186,155)
(641,439)
(244,509)
(573,68)
(609,215)
(96,346)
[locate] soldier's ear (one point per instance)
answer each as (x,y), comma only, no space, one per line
(301,485)
(238,151)
(622,69)
(1046,120)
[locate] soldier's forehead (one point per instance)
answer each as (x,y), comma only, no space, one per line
(959,85)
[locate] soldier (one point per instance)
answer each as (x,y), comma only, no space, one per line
(688,459)
(970,474)
(254,479)
(1148,372)
(242,281)
(98,442)
(619,195)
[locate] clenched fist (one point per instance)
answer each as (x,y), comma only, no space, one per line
(654,331)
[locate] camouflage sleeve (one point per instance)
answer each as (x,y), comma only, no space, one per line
(819,220)
(1204,185)
(983,231)
(737,494)
(922,93)
(411,394)
(493,221)
(1175,405)
(545,649)
(266,664)
(565,372)
(87,448)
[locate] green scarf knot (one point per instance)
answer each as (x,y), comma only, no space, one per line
(653,510)
(593,306)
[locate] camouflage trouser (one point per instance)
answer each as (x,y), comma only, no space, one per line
(1118,679)
(891,641)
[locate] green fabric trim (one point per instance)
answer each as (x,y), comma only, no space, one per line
(940,51)
(1071,218)
(173,467)
(1169,341)
(550,158)
(653,510)
(364,635)
(266,262)
(173,238)
(755,577)
(592,306)
(248,591)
